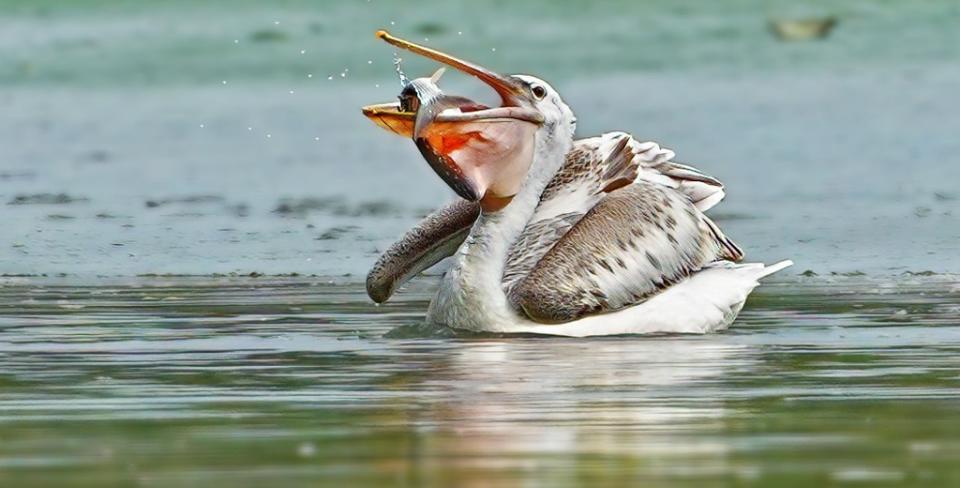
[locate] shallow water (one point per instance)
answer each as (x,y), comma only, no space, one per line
(160,382)
(142,142)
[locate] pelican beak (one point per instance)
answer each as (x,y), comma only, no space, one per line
(508,88)
(391,117)
(482,153)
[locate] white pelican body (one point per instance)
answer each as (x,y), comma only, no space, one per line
(601,236)
(472,295)
(707,301)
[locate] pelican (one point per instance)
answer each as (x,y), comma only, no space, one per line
(599,236)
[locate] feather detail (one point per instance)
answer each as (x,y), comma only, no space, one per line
(633,244)
(595,167)
(730,251)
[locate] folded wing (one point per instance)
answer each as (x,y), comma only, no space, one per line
(637,241)
(595,168)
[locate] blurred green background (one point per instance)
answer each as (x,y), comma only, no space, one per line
(91,42)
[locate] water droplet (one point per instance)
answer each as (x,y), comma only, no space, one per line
(201,126)
(309,75)
(343,75)
(276,22)
(377,85)
(224,82)
(459,33)
(330,77)
(426,39)
(307,449)
(303,51)
(269,136)
(396,64)
(393,23)
(369,61)
(493,49)
(291,92)
(236,41)
(249,128)
(316,138)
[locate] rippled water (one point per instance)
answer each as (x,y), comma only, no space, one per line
(159,382)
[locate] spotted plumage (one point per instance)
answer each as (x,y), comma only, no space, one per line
(640,225)
(590,171)
(587,270)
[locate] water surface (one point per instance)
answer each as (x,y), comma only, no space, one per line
(160,382)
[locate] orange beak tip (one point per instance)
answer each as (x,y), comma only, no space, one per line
(382,34)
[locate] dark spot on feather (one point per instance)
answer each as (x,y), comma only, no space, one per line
(671,222)
(653,260)
(617,184)
(603,262)
(599,294)
(673,240)
(621,263)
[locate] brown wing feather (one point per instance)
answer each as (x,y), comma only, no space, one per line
(635,242)
(589,164)
(536,240)
(613,160)
(595,167)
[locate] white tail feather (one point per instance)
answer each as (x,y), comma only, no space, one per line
(773,268)
(707,301)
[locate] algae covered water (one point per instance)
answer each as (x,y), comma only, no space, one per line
(191,199)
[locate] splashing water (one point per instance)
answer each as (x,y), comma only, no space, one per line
(396,64)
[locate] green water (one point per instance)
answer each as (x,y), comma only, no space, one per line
(254,382)
(138,191)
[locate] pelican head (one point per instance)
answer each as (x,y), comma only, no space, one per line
(483,153)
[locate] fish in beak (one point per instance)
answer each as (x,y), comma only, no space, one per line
(483,153)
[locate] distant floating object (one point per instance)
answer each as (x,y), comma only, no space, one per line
(803,29)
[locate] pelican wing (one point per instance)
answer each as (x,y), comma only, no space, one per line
(604,163)
(637,241)
(594,168)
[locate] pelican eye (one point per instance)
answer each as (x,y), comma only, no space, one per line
(538,91)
